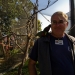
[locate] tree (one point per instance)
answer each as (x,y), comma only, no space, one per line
(11,9)
(39,26)
(20,9)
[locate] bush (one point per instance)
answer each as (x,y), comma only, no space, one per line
(24,70)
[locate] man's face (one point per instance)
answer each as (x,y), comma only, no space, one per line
(58,24)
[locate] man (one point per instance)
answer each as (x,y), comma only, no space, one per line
(54,51)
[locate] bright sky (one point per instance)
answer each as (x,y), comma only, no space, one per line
(60,5)
(44,21)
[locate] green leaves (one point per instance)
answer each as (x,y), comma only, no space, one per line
(11,9)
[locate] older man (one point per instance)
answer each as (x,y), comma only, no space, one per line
(54,51)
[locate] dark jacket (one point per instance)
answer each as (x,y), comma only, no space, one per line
(44,54)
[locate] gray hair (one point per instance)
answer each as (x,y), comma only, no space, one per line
(60,13)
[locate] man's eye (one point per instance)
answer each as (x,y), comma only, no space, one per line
(54,22)
(61,21)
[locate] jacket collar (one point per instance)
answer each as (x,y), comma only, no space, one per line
(71,38)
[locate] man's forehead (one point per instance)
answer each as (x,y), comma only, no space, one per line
(59,17)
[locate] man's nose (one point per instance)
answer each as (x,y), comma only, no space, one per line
(57,23)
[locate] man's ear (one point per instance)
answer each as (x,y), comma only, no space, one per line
(67,23)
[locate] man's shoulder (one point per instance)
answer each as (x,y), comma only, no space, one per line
(71,37)
(43,39)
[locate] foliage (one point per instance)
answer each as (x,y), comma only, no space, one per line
(24,70)
(39,26)
(11,9)
(13,12)
(14,51)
